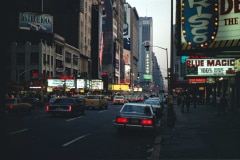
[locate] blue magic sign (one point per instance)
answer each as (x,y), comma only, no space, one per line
(199,22)
(36,22)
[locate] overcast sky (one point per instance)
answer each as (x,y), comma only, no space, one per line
(160,11)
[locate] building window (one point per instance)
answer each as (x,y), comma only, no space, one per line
(48,59)
(68,57)
(44,58)
(75,60)
(58,49)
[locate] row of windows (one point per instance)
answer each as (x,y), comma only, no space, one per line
(47,59)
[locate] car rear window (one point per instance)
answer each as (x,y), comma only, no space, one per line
(63,101)
(137,109)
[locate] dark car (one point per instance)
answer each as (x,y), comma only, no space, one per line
(157,107)
(65,105)
(82,99)
(136,116)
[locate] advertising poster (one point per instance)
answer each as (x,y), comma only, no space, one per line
(210,67)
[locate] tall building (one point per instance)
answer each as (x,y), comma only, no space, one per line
(145,51)
(112,60)
(52,39)
(130,35)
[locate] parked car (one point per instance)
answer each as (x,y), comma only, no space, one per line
(17,105)
(136,116)
(157,107)
(119,100)
(65,105)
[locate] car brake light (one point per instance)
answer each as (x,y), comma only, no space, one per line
(47,108)
(10,107)
(147,122)
(121,120)
(69,108)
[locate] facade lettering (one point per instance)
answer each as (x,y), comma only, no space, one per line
(228,5)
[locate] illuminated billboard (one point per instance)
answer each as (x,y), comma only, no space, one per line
(36,22)
(210,67)
(147,76)
(208,25)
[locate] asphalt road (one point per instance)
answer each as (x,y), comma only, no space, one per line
(39,136)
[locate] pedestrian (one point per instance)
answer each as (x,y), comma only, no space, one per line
(218,98)
(223,104)
(178,100)
(194,101)
(182,102)
(188,101)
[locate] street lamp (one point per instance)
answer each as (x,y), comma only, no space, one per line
(167,63)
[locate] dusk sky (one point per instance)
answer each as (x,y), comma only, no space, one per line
(160,11)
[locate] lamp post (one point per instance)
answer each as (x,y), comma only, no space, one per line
(167,63)
(19,74)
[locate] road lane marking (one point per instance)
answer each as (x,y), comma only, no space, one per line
(102,111)
(156,148)
(74,140)
(19,131)
(68,120)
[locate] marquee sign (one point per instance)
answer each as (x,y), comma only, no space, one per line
(210,67)
(209,24)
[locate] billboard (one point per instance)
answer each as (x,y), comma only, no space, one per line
(208,25)
(147,76)
(210,67)
(117,61)
(36,22)
(97,84)
(60,83)
(127,74)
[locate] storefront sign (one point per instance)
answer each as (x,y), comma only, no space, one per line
(210,67)
(97,84)
(197,80)
(209,24)
(60,83)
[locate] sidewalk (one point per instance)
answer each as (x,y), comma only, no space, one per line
(201,133)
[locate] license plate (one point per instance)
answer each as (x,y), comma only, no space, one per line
(134,121)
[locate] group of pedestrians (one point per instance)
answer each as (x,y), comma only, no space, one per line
(182,100)
(185,99)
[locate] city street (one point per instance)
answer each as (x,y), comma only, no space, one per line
(201,134)
(39,136)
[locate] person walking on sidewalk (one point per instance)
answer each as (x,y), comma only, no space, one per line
(182,102)
(188,101)
(218,105)
(179,99)
(223,104)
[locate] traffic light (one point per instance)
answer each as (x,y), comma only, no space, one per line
(34,75)
(147,45)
